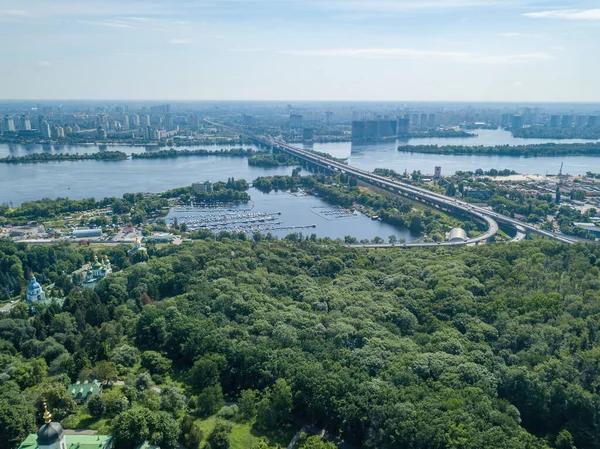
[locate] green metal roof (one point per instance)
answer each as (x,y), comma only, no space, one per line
(73,441)
(81,390)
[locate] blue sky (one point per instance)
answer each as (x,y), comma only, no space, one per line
(419,50)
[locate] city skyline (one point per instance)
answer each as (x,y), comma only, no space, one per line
(337,50)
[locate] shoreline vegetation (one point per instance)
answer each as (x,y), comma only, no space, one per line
(173,153)
(120,155)
(69,141)
(63,157)
(541,132)
(544,149)
(268,160)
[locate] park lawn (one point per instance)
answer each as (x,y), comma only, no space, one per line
(243,435)
(81,419)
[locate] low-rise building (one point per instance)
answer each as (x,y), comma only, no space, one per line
(83,391)
(457,235)
(86,233)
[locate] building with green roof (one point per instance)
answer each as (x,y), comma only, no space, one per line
(52,436)
(82,391)
(72,442)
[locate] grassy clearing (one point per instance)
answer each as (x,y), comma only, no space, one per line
(244,436)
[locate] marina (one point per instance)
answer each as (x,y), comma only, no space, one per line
(281,213)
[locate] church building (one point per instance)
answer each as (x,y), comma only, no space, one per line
(52,436)
(97,271)
(35,292)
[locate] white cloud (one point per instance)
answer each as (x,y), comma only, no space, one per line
(248,50)
(12,12)
(180,41)
(106,23)
(43,65)
(391,6)
(515,35)
(566,14)
(428,55)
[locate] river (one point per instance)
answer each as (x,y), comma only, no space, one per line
(81,179)
(386,155)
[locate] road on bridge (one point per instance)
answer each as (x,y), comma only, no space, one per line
(481,214)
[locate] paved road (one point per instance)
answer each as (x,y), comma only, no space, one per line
(491,218)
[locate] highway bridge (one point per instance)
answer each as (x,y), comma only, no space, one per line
(485,216)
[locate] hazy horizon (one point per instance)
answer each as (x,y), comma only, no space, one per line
(301,50)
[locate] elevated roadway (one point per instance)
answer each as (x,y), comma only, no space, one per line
(480,214)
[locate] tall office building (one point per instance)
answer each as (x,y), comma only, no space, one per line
(423,120)
(125,122)
(146,120)
(437,174)
(295,121)
(567,121)
(517,122)
(505,120)
(554,121)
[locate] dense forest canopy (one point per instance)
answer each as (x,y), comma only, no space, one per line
(493,346)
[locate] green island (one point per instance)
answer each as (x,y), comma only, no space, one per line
(271,160)
(544,149)
(238,343)
(173,153)
(543,132)
(62,157)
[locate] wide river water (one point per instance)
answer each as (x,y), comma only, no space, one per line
(98,179)
(386,155)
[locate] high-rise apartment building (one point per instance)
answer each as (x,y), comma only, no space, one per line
(45,129)
(9,124)
(25,123)
(566,121)
(517,122)
(402,126)
(581,121)
(295,121)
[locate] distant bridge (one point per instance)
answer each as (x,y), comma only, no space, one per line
(442,202)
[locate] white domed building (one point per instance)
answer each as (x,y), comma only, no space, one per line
(35,293)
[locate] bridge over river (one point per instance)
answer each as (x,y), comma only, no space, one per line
(488,218)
